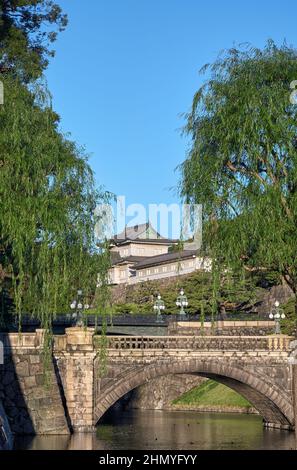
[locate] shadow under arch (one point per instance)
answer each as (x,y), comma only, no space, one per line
(270,401)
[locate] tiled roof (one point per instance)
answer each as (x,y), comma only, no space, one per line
(128,259)
(165,258)
(153,241)
(132,233)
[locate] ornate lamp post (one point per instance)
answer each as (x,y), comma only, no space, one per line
(159,307)
(277,314)
(79,308)
(182,302)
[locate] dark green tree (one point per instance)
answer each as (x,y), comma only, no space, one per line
(27,30)
(242,162)
(47,202)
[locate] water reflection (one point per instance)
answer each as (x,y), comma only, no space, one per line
(144,429)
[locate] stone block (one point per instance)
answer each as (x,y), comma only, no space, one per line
(36,369)
(35,358)
(30,381)
(39,379)
(28,340)
(22,368)
(79,337)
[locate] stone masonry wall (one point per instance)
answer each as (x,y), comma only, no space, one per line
(281,293)
(31,406)
(159,393)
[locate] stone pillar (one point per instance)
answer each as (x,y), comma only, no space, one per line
(79,378)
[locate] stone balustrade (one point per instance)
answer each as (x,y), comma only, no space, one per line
(205,343)
(64,342)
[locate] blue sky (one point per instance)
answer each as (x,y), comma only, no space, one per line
(125,70)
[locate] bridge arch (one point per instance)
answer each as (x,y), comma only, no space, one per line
(271,402)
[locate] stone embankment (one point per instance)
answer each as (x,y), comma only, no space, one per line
(31,406)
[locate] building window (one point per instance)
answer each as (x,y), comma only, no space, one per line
(140,273)
(148,271)
(156,270)
(191,264)
(164,269)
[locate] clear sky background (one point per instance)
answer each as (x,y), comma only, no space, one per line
(125,70)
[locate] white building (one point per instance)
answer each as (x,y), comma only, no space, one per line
(140,254)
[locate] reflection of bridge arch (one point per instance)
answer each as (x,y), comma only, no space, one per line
(263,393)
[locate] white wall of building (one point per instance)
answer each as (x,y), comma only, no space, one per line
(140,249)
(176,268)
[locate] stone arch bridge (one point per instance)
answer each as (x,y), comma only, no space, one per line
(256,367)
(91,377)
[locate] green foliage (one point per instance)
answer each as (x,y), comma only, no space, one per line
(242,164)
(27,29)
(288,326)
(47,192)
(202,316)
(47,202)
(211,393)
(178,247)
(126,308)
(234,292)
(102,301)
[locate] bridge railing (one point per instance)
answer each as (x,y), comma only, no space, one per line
(204,343)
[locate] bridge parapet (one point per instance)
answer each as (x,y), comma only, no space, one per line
(205,343)
(19,341)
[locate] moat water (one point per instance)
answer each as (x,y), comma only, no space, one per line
(174,430)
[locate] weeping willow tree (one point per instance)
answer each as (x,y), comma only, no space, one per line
(47,202)
(47,192)
(242,161)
